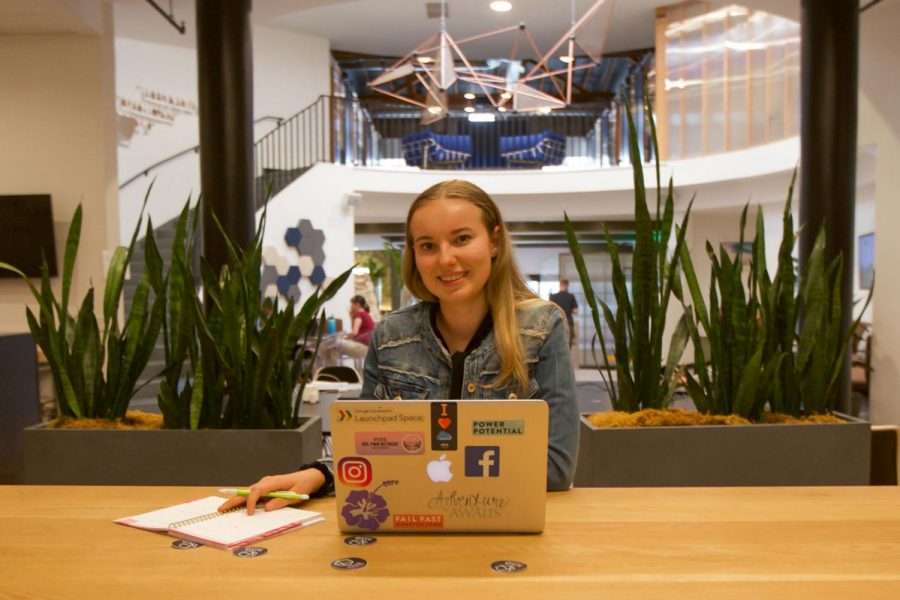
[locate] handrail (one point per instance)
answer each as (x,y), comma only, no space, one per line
(145,172)
(332,129)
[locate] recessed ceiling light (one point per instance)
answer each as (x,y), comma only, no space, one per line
(506,95)
(469,109)
(566,59)
(469,96)
(545,110)
(425,59)
(501,6)
(501,108)
(435,110)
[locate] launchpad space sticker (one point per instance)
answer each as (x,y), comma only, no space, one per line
(443,426)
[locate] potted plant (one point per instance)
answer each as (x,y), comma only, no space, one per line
(759,362)
(228,390)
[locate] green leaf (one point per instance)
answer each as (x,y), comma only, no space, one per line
(745,398)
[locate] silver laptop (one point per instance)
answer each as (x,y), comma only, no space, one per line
(441,465)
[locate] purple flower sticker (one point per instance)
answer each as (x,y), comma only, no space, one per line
(365,509)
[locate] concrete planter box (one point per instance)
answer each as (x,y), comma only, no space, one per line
(720,455)
(214,457)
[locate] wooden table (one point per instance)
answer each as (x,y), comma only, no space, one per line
(60,542)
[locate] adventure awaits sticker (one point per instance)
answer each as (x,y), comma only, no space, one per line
(501,427)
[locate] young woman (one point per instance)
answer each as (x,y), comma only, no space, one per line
(479,332)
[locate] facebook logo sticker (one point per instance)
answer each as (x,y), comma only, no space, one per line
(482,461)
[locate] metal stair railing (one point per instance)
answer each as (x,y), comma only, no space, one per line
(331,129)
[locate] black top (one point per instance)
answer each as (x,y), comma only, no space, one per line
(567,302)
(458,359)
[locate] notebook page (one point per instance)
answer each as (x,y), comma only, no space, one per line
(159,520)
(236,528)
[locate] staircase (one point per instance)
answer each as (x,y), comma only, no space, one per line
(331,129)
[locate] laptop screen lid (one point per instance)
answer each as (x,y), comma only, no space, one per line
(441,465)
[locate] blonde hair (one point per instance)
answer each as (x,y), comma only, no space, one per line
(505,289)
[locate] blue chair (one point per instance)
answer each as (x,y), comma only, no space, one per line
(427,149)
(536,149)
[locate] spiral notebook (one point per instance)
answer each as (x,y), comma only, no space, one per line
(200,521)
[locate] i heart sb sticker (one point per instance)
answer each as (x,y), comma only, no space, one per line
(443,426)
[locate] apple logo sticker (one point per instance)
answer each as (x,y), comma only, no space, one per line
(439,470)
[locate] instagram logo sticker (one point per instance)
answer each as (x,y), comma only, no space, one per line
(354,471)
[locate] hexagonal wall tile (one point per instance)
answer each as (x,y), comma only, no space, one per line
(293,274)
(293,236)
(284,285)
(268,276)
(306,264)
(272,256)
(318,275)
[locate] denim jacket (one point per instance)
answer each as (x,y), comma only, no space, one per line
(406,360)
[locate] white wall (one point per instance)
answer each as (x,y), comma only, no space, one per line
(290,71)
(320,197)
(879,127)
(58,136)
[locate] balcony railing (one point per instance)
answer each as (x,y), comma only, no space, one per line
(340,130)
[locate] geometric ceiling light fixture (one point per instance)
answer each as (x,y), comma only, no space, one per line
(438,63)
(570,38)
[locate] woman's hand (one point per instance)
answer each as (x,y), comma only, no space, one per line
(306,481)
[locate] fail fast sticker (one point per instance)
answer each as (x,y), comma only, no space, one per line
(390,442)
(185,545)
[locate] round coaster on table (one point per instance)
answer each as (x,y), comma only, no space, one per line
(508,566)
(185,545)
(348,564)
(360,540)
(249,552)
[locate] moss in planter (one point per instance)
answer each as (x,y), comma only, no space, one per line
(651,417)
(134,419)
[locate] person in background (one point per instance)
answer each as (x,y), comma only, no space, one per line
(567,302)
(478,332)
(356,343)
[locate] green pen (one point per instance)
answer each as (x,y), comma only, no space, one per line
(283,495)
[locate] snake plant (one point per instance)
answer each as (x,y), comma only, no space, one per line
(643,377)
(231,363)
(772,343)
(96,366)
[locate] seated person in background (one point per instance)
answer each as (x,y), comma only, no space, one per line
(479,332)
(356,344)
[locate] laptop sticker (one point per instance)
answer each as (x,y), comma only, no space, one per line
(499,427)
(439,470)
(365,509)
(249,551)
(390,442)
(418,521)
(360,540)
(443,426)
(464,505)
(354,471)
(508,566)
(349,564)
(482,461)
